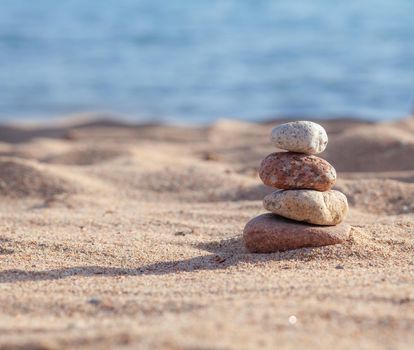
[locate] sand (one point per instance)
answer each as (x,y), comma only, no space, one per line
(127,237)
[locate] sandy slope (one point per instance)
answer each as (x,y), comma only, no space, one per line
(129,237)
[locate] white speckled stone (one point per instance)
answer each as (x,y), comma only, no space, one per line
(301,136)
(314,207)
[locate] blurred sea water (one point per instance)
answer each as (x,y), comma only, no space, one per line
(195,60)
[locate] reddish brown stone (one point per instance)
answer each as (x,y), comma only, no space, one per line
(269,233)
(287,170)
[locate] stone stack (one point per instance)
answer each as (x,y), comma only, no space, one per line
(305,211)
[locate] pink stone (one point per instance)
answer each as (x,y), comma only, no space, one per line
(287,170)
(270,233)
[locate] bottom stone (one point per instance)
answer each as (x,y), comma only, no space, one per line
(270,233)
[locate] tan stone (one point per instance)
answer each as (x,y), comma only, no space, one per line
(320,208)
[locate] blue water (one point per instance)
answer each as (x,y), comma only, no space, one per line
(195,60)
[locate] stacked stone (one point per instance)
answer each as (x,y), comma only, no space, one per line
(305,211)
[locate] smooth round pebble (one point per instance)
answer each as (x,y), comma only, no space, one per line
(287,170)
(301,136)
(314,207)
(269,233)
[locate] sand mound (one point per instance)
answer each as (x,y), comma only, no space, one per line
(231,142)
(199,183)
(379,196)
(233,131)
(372,148)
(22,178)
(86,155)
(37,149)
(372,244)
(406,124)
(156,172)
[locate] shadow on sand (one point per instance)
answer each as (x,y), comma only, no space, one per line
(224,253)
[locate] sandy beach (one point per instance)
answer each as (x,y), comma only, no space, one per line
(129,236)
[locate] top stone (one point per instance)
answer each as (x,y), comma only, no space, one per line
(302,137)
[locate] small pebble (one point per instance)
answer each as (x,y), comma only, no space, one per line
(286,170)
(301,136)
(94,301)
(314,207)
(183,232)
